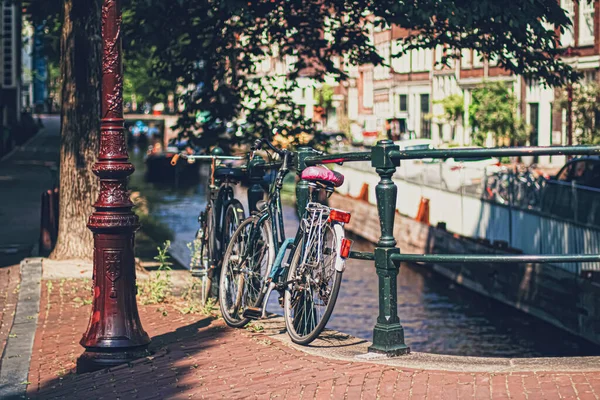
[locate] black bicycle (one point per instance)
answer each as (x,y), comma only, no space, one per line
(310,281)
(219,220)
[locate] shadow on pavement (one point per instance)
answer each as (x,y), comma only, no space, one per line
(154,375)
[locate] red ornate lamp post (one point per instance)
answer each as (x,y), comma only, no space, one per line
(115,334)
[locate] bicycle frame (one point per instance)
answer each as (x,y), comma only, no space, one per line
(274,211)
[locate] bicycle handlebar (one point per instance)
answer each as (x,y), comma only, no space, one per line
(259,142)
(203,157)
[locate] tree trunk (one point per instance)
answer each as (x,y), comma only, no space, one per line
(81,49)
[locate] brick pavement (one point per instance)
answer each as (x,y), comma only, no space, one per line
(199,357)
(9,283)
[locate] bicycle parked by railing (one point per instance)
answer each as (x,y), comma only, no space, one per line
(309,283)
(517,186)
(218,221)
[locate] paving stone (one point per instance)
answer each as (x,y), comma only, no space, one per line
(200,358)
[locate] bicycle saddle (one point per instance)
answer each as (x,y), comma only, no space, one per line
(323,175)
(225,173)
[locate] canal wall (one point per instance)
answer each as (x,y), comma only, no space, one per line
(530,231)
(548,292)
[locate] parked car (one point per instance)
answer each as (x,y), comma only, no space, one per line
(454,173)
(574,193)
(412,169)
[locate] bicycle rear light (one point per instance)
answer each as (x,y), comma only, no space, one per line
(345,249)
(339,216)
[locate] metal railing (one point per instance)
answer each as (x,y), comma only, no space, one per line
(385,157)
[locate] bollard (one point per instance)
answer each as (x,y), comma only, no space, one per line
(53,219)
(255,177)
(45,235)
(302,192)
(388,334)
(114,335)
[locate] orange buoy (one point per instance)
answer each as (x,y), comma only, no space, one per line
(423,213)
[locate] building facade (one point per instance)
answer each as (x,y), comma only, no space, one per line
(401,99)
(10,70)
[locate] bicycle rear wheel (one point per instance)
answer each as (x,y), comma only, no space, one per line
(315,283)
(208,253)
(246,265)
(234,215)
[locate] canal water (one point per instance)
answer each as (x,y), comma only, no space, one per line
(438,316)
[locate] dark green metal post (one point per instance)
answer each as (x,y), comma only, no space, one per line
(388,335)
(255,177)
(302,192)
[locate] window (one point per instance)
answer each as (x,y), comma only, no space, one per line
(534,121)
(565,173)
(477,59)
(402,126)
(403,102)
(421,59)
(400,64)
(566,38)
(465,58)
(534,111)
(7,35)
(586,23)
(382,71)
(368,89)
(425,120)
(551,123)
(585,173)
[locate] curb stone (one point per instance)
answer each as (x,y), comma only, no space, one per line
(14,367)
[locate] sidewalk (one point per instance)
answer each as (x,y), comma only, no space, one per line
(24,175)
(197,356)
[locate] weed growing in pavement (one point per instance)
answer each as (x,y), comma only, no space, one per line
(190,293)
(158,286)
(49,286)
(210,307)
(191,303)
(79,302)
(195,248)
(163,311)
(255,327)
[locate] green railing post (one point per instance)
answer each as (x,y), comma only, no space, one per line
(388,334)
(302,192)
(255,177)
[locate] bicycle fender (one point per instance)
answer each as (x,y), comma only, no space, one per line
(340,263)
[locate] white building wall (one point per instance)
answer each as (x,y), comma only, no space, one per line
(544,97)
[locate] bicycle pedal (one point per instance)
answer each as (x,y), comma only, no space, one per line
(252,313)
(281,300)
(198,273)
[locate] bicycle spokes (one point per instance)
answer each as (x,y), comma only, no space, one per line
(313,281)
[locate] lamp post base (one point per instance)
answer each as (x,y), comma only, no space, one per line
(91,361)
(389,340)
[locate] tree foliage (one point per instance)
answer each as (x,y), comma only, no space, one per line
(586,112)
(454,109)
(210,50)
(494,109)
(324,96)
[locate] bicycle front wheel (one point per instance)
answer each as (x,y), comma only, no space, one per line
(246,265)
(314,286)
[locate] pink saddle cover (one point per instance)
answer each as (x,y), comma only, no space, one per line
(324,175)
